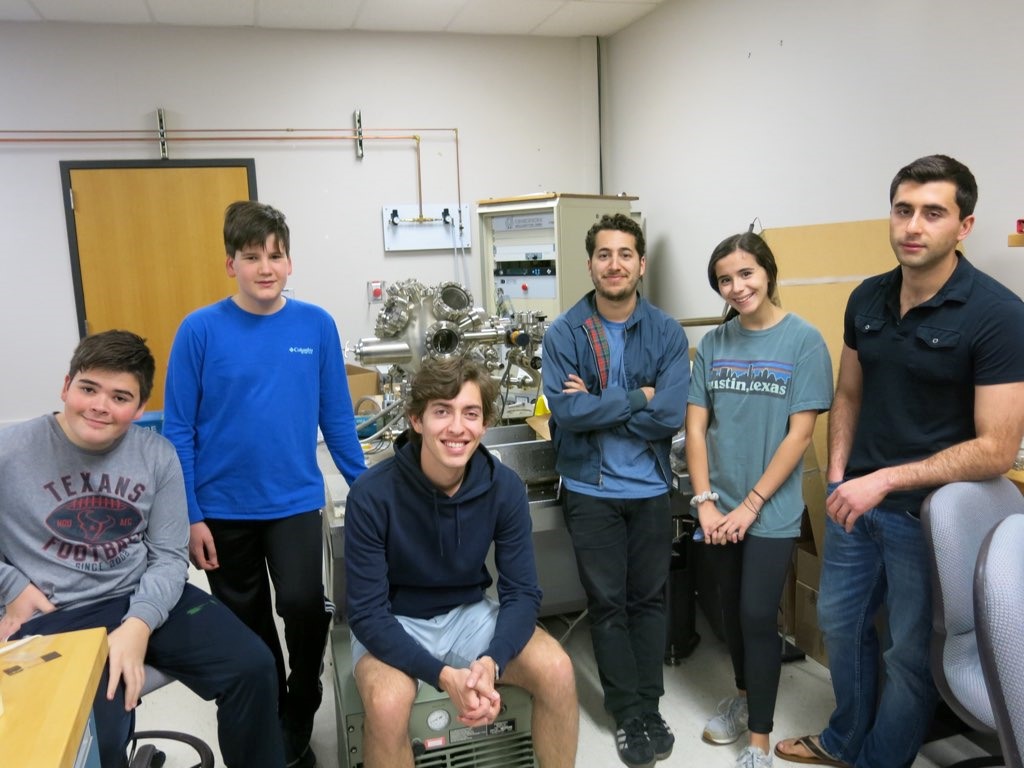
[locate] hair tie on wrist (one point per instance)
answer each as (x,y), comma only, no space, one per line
(700,498)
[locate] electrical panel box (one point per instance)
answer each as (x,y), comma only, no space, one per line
(534,252)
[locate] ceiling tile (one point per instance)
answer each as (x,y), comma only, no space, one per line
(556,18)
(500,17)
(98,12)
(407,15)
(18,10)
(204,13)
(307,14)
(599,19)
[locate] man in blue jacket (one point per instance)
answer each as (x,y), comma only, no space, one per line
(418,527)
(616,375)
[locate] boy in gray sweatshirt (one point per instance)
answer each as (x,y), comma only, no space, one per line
(94,533)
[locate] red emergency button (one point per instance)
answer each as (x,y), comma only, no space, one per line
(525,287)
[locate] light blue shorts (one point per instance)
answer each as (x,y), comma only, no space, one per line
(457,638)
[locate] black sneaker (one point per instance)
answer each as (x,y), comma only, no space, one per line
(304,758)
(297,752)
(634,746)
(659,734)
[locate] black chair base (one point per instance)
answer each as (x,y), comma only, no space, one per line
(148,756)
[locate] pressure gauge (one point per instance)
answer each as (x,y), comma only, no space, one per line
(438,720)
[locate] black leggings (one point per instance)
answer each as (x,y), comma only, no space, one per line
(750,578)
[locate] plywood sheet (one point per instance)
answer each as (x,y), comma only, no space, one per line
(839,250)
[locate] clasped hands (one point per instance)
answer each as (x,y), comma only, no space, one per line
(724,529)
(472,691)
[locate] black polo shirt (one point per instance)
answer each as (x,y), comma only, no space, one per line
(920,371)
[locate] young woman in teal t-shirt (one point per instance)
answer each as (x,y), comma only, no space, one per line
(759,382)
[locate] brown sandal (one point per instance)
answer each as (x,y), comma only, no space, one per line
(818,755)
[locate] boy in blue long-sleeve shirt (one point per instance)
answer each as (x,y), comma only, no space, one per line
(250,380)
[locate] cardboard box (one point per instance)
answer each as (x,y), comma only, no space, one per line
(362,382)
(807,636)
(819,266)
(1017,477)
(804,553)
(808,567)
(814,496)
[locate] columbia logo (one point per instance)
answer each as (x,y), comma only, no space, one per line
(301,350)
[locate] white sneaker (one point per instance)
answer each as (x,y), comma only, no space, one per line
(752,757)
(729,723)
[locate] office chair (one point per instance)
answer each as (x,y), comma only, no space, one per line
(955,520)
(999,614)
(147,755)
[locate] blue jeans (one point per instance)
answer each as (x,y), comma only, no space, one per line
(623,550)
(884,560)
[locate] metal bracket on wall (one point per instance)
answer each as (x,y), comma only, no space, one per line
(357,120)
(161,129)
(406,228)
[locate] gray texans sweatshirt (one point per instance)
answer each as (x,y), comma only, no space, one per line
(84,526)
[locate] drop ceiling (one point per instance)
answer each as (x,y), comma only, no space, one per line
(547,18)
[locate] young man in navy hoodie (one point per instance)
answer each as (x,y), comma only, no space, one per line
(418,527)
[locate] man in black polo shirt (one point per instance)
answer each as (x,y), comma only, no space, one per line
(930,391)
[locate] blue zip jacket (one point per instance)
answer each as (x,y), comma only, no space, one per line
(411,550)
(656,355)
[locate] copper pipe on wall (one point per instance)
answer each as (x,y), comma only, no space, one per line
(109,136)
(242,134)
(128,137)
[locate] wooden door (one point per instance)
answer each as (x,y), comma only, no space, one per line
(147,245)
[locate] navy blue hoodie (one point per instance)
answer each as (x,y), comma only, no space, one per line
(410,550)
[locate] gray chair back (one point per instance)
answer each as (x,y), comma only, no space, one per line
(955,519)
(999,612)
(148,755)
(155,679)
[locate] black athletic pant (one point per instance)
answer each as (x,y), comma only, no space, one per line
(290,550)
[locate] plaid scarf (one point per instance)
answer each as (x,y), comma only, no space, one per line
(599,343)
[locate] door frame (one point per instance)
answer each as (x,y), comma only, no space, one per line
(67,166)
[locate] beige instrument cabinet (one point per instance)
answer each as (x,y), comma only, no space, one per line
(533,249)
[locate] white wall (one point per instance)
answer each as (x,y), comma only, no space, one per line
(800,112)
(715,112)
(525,110)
